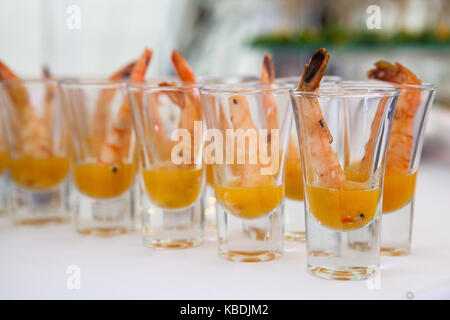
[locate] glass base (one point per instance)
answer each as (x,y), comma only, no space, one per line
(249,256)
(40,221)
(396,229)
(344,273)
(172,244)
(30,207)
(209,205)
(343,254)
(295,236)
(294,221)
(105,217)
(103,231)
(250,240)
(172,229)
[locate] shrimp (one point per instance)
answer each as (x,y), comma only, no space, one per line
(315,132)
(401,140)
(34,136)
(268,76)
(270,107)
(103,103)
(120,130)
(191,107)
(241,119)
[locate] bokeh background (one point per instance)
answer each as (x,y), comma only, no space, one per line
(86,38)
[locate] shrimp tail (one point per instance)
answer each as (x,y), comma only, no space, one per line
(182,68)
(314,71)
(268,69)
(395,73)
(310,81)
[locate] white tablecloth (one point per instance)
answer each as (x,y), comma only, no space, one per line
(34,262)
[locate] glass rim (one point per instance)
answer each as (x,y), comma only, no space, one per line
(154,84)
(245,88)
(358,91)
(90,83)
(369,82)
(330,78)
(240,78)
(30,81)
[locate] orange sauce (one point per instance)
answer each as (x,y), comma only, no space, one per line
(104,181)
(173,187)
(249,202)
(398,190)
(39,174)
(294,181)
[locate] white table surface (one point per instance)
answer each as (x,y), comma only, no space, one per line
(34,261)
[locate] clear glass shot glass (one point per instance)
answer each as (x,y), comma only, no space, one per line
(402,164)
(209,195)
(343,134)
(248,131)
(104,160)
(39,147)
(167,117)
(294,207)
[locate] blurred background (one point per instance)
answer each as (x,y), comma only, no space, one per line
(85,38)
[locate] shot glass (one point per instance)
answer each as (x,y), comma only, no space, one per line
(167,117)
(294,207)
(39,149)
(209,197)
(104,158)
(246,142)
(402,166)
(343,134)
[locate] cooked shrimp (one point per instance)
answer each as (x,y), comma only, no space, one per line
(182,68)
(362,171)
(191,107)
(99,129)
(268,76)
(117,139)
(324,160)
(49,92)
(270,107)
(34,135)
(401,140)
(241,118)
